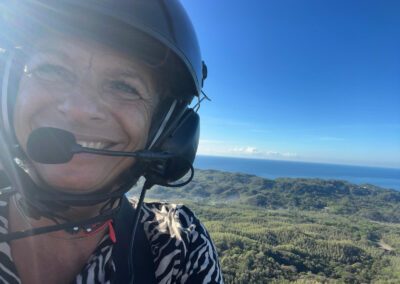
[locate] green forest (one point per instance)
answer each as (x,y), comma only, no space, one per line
(296,230)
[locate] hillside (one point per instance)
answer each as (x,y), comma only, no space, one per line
(267,246)
(333,196)
(296,230)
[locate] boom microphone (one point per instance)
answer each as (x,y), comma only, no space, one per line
(49,145)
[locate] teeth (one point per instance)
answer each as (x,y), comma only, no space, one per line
(93,145)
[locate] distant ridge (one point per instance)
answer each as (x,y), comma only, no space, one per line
(332,196)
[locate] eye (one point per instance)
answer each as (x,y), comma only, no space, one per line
(53,73)
(123,89)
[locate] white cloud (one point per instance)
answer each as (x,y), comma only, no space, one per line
(250,151)
(279,154)
(245,150)
(221,148)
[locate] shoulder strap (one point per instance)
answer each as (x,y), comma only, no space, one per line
(142,260)
(4,181)
(5,186)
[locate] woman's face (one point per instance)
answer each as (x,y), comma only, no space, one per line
(104,97)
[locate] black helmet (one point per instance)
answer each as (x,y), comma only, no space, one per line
(155,23)
(158,30)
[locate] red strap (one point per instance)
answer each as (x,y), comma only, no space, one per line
(99,228)
(111,232)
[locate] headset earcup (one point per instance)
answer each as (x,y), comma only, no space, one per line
(183,142)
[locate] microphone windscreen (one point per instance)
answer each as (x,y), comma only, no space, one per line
(48,145)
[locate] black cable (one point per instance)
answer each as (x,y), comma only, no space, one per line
(147,185)
(182,183)
(143,154)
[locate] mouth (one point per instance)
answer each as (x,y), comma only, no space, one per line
(100,145)
(93,141)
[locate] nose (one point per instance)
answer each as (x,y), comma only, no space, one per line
(81,106)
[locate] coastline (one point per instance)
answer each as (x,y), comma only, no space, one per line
(272,169)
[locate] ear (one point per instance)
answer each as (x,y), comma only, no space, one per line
(182,142)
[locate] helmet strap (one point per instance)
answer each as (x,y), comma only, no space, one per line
(163,124)
(5,92)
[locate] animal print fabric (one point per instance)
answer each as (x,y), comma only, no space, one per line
(181,246)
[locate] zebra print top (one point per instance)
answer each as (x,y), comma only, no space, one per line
(182,249)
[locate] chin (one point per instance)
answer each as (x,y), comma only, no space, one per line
(75,180)
(75,185)
(83,175)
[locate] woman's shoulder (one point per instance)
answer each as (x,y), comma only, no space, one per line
(175,220)
(173,213)
(182,248)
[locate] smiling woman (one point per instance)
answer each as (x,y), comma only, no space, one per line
(119,78)
(84,88)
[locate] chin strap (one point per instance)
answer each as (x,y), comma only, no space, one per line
(74,226)
(47,200)
(102,218)
(5,92)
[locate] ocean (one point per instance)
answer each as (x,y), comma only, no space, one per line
(383,177)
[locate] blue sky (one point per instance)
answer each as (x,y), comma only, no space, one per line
(313,80)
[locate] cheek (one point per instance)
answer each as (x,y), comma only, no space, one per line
(30,100)
(135,120)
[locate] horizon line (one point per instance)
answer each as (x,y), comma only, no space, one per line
(300,161)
